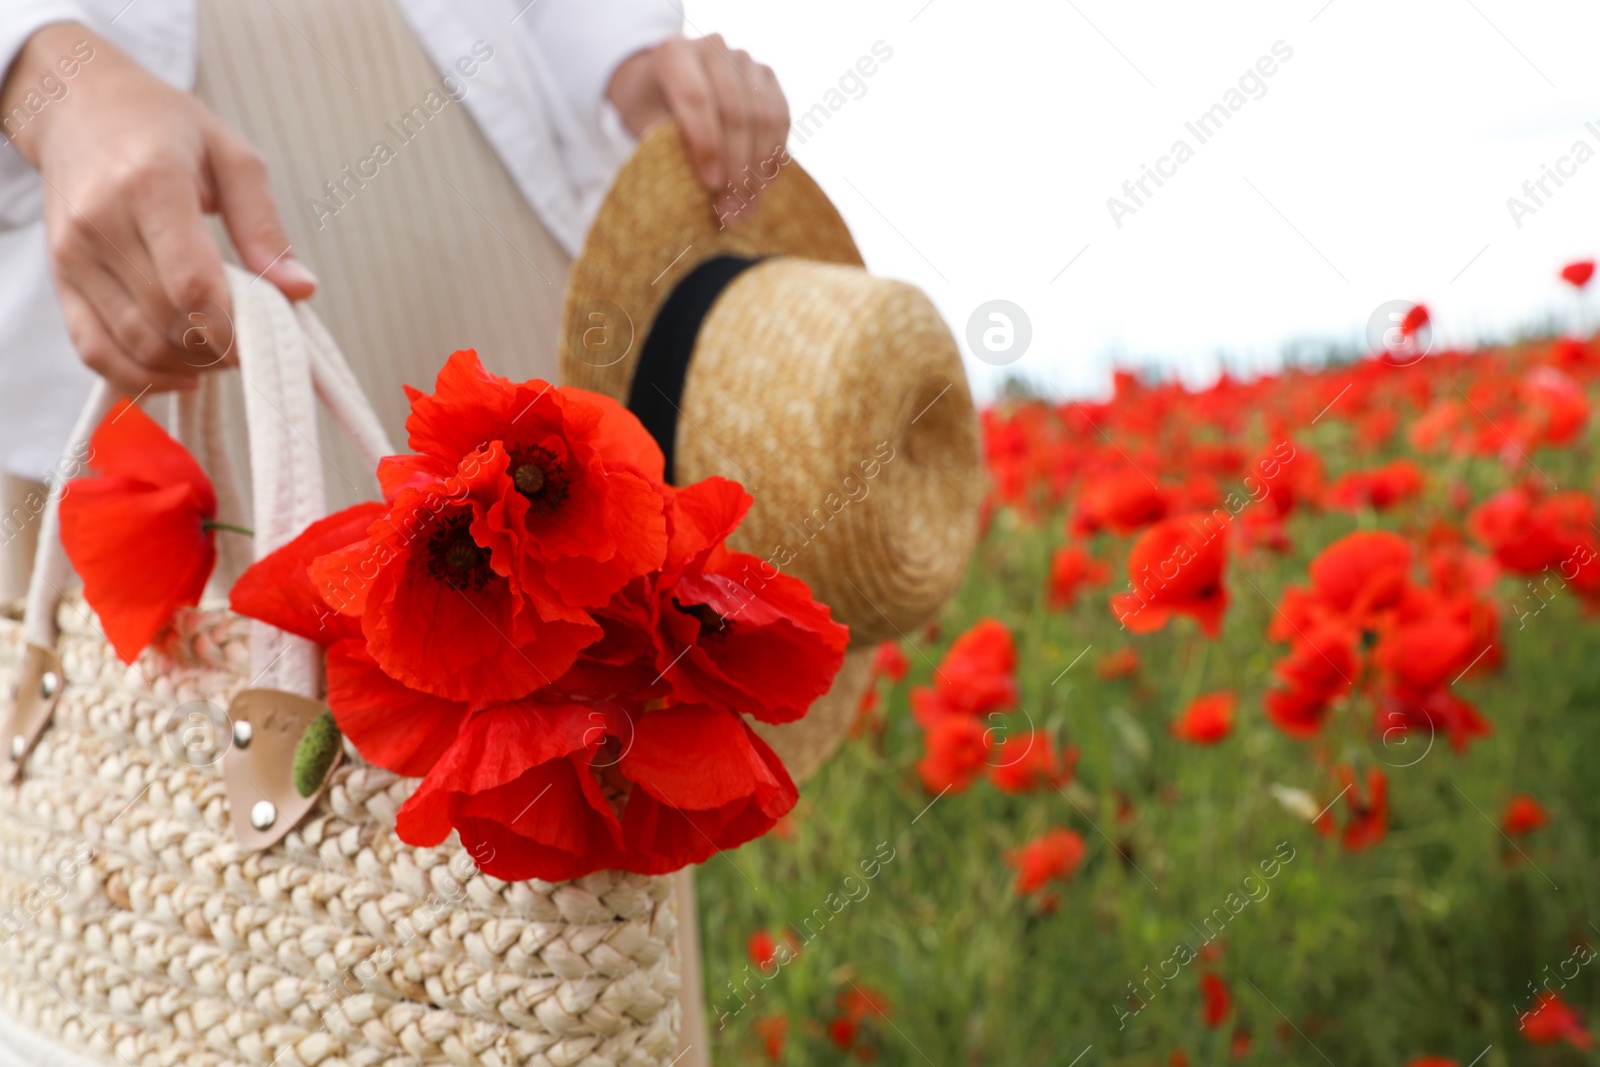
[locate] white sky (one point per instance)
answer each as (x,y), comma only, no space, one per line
(978,162)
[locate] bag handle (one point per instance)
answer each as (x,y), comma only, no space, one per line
(287,358)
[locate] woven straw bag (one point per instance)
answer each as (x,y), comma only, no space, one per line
(140,921)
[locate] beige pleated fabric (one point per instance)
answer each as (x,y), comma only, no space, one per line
(437,251)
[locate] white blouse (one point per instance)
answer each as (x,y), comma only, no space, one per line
(543,109)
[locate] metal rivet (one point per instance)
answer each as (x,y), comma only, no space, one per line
(263,815)
(19,745)
(243,732)
(49,682)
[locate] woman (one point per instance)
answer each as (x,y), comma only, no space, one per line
(433,162)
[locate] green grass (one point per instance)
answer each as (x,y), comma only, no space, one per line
(1421,945)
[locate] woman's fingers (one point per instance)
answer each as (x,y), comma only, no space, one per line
(124,320)
(188,268)
(772,119)
(735,109)
(130,170)
(103,355)
(244,199)
(688,92)
(730,109)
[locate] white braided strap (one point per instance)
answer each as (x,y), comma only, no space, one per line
(52,574)
(336,384)
(285,462)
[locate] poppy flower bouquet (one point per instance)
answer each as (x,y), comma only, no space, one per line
(557,642)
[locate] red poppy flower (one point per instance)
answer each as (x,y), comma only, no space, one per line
(579,512)
(1455,567)
(1380,488)
(139,533)
(1216,1000)
(957,750)
(1175,567)
(888,661)
(867,719)
(1424,654)
(1071,568)
(860,1003)
(1578,273)
(1369,813)
(1526,534)
(1122,663)
(842,1032)
(1429,713)
(1433,1061)
(773,1030)
(1362,573)
(1437,427)
(519,785)
(1321,667)
(703,782)
(1416,318)
(1284,483)
(976,676)
(1523,815)
(277,588)
(1053,855)
(1375,429)
(439,604)
(761,948)
(1553,1019)
(392,725)
(728,633)
(1028,761)
(534,789)
(1207,720)
(1572,354)
(1121,504)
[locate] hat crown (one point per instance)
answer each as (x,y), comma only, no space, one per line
(840,402)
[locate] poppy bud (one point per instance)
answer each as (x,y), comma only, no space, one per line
(314,754)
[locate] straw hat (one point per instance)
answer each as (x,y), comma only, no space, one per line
(764,352)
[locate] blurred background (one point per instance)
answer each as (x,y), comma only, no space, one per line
(1374,164)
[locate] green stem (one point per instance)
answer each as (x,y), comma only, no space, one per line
(211,524)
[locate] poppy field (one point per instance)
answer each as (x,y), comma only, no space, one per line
(1264,730)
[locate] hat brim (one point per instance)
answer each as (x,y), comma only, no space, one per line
(656,225)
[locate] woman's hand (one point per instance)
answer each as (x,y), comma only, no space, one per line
(131,166)
(730,108)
